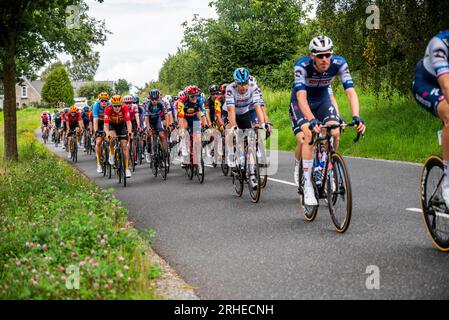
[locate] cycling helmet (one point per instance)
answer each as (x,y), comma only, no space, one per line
(154,94)
(66,110)
(86,109)
(320,44)
(135,99)
(223,88)
(168,98)
(128,99)
(103,96)
(241,76)
(193,90)
(116,100)
(181,94)
(73,109)
(214,89)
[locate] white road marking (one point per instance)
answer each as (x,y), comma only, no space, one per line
(282,181)
(414,210)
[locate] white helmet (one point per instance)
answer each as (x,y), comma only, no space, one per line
(321,43)
(168,98)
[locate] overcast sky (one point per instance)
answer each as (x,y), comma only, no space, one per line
(144,33)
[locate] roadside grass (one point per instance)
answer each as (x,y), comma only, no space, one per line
(56,225)
(397,128)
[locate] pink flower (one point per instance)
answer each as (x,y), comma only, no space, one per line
(33,282)
(126,267)
(18,263)
(82,263)
(105,236)
(90,214)
(102,242)
(44,247)
(63,278)
(61,269)
(120,258)
(105,252)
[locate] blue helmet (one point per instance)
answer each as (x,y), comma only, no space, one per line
(86,108)
(135,99)
(241,75)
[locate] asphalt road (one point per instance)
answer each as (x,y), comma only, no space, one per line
(229,248)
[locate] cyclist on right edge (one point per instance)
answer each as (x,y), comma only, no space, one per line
(310,103)
(431,91)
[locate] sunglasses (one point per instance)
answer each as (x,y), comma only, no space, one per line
(117,106)
(128,103)
(73,113)
(325,55)
(216,93)
(103,100)
(193,96)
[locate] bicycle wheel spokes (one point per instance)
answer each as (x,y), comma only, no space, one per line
(339,194)
(435,213)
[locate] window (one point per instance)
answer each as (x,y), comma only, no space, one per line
(24,92)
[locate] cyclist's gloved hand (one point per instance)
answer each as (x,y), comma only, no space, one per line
(359,124)
(313,124)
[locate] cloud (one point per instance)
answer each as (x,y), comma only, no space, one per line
(145,32)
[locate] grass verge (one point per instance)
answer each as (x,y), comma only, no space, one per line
(397,128)
(57,227)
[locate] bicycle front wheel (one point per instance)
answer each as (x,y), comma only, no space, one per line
(339,193)
(253,174)
(434,210)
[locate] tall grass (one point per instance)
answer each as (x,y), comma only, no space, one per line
(52,219)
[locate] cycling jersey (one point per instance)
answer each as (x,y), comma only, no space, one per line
(58,121)
(154,112)
(45,119)
(116,118)
(98,111)
(214,108)
(307,78)
(73,120)
(189,110)
(242,102)
(426,88)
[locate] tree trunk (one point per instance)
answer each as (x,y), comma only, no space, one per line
(10,114)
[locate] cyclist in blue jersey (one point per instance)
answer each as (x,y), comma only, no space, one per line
(310,103)
(98,118)
(431,91)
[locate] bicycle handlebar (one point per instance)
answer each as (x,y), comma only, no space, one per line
(336,126)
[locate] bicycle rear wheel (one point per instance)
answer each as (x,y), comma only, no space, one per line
(252,167)
(434,210)
(122,166)
(200,167)
(310,212)
(339,193)
(163,163)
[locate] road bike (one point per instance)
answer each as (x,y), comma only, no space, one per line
(330,179)
(246,168)
(159,157)
(119,159)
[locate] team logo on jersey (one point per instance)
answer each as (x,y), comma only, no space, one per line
(190,110)
(337,61)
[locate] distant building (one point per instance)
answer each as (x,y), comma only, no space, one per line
(29,93)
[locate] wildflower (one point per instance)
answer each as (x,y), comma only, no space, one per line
(18,263)
(126,267)
(102,242)
(33,282)
(62,244)
(82,263)
(120,258)
(44,247)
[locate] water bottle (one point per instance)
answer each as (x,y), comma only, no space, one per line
(319,168)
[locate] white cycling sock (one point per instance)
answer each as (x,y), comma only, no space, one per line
(307,171)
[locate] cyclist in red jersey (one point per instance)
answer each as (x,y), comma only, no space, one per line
(118,123)
(74,122)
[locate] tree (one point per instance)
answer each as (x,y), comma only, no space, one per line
(32,32)
(58,87)
(122,86)
(51,67)
(83,68)
(91,90)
